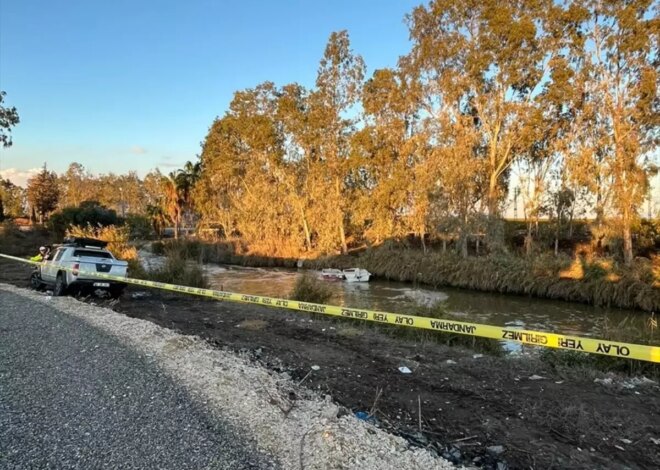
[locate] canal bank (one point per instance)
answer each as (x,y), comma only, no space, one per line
(518,410)
(593,281)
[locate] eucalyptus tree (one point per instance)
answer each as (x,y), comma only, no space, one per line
(619,64)
(487,59)
(385,154)
(336,95)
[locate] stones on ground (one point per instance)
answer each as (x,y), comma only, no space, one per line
(626,441)
(606,381)
(315,367)
(536,377)
(449,361)
(477,356)
(655,441)
(495,450)
(453,454)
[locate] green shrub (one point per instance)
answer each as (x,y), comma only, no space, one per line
(309,288)
(89,213)
(178,270)
(139,227)
(158,248)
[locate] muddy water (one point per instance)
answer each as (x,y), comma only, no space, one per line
(470,306)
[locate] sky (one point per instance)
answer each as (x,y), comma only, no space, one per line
(133,85)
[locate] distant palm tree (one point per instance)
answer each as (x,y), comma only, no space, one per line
(158,218)
(185,180)
(173,200)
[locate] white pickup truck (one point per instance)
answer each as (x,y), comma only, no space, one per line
(65,268)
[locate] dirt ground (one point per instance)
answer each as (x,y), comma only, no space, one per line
(482,410)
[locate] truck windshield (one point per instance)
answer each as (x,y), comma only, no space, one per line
(94,254)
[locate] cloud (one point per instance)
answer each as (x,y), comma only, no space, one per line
(19,177)
(169,165)
(138,150)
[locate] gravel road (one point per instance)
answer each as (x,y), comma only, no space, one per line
(72,396)
(85,387)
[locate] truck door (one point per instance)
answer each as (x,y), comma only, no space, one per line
(49,266)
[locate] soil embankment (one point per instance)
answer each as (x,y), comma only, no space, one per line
(483,410)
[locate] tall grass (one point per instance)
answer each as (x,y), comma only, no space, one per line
(178,270)
(309,288)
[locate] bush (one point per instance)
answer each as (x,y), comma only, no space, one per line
(177,270)
(158,248)
(309,288)
(139,227)
(89,213)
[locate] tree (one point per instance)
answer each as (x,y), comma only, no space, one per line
(12,198)
(385,153)
(338,85)
(77,185)
(8,119)
(486,59)
(173,201)
(620,60)
(43,193)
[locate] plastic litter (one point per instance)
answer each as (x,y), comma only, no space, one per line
(405,370)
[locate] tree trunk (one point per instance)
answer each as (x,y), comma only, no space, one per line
(493,211)
(528,240)
(308,238)
(627,241)
(464,245)
(176,228)
(444,245)
(422,233)
(340,218)
(477,243)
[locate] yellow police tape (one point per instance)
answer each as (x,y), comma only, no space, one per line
(536,338)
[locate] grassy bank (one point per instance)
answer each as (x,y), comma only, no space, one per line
(599,281)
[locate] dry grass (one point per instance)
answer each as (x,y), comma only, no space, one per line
(180,271)
(309,288)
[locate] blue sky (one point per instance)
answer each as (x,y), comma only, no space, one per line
(130,85)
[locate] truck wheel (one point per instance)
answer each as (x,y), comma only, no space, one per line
(60,285)
(35,281)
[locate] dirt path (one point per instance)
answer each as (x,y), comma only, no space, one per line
(490,411)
